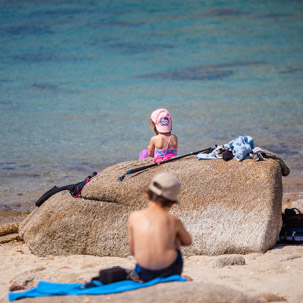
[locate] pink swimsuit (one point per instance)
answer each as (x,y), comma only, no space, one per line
(161,153)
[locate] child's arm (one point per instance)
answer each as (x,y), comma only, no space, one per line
(176,141)
(151,147)
(182,234)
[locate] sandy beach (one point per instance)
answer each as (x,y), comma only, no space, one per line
(275,276)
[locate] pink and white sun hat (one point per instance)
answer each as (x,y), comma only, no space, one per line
(162,119)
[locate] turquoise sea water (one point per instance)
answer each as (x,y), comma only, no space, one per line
(79,79)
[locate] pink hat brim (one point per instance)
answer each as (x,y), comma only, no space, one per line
(164,128)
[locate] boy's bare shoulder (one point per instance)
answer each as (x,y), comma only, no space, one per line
(135,214)
(174,218)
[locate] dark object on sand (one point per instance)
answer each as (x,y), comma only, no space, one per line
(109,275)
(135,170)
(292,229)
(114,274)
(75,190)
(292,218)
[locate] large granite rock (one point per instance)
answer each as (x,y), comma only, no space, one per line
(64,225)
(9,228)
(228,207)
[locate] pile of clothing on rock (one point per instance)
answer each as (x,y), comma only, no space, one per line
(243,148)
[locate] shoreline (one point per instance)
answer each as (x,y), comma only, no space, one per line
(12,216)
(292,187)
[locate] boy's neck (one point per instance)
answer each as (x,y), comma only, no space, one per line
(157,206)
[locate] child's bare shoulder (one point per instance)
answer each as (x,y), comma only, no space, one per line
(174,218)
(153,139)
(135,214)
(157,137)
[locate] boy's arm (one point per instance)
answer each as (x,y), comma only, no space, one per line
(182,234)
(151,147)
(130,236)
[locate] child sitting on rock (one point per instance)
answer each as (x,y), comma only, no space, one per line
(155,235)
(164,145)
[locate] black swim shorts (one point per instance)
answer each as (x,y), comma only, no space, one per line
(173,269)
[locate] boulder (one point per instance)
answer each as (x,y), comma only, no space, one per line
(9,238)
(64,225)
(228,207)
(9,228)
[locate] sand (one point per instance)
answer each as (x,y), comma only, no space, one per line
(275,276)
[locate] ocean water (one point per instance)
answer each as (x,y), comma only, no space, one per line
(79,80)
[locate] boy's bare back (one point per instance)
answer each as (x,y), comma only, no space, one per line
(155,236)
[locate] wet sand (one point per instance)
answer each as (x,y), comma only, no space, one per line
(12,216)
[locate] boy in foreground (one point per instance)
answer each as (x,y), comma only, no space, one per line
(155,235)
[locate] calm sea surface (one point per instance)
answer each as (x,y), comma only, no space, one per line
(79,79)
